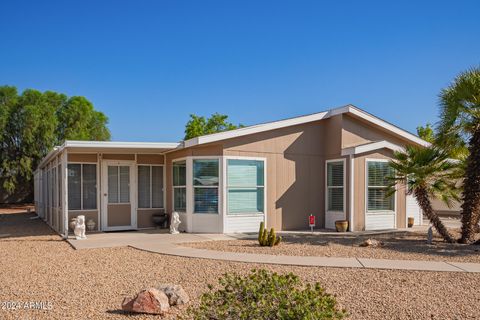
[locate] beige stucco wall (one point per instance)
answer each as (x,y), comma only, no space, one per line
(295,170)
(82,157)
(150,159)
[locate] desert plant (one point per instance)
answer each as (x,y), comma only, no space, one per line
(266,238)
(460,124)
(265,295)
(427,173)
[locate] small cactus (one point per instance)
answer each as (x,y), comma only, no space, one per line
(266,238)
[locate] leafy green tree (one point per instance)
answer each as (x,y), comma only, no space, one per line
(199,125)
(426,133)
(427,173)
(31,125)
(460,125)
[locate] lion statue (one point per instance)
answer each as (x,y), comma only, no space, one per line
(79,229)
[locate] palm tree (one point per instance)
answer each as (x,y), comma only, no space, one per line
(460,122)
(426,173)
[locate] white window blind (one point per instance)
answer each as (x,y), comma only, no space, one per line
(113,184)
(377,184)
(82,186)
(179,186)
(150,186)
(335,187)
(245,185)
(205,185)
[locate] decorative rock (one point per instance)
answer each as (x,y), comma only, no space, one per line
(372,243)
(175,293)
(149,300)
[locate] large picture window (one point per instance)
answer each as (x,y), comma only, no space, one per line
(180,186)
(150,186)
(82,186)
(205,186)
(245,186)
(335,186)
(377,184)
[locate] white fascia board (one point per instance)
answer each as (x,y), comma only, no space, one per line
(371,147)
(256,129)
(116,144)
(390,127)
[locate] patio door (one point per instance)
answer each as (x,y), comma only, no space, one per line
(118,196)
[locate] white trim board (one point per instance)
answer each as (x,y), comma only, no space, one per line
(371,147)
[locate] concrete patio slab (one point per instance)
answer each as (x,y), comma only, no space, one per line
(165,243)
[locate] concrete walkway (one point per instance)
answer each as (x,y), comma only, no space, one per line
(168,244)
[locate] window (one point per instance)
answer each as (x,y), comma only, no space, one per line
(377,173)
(335,187)
(150,186)
(118,184)
(245,186)
(82,186)
(179,186)
(205,186)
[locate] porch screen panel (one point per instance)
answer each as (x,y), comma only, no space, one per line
(89,175)
(179,186)
(144,186)
(205,185)
(378,173)
(245,184)
(74,187)
(124,184)
(335,187)
(113,184)
(157,187)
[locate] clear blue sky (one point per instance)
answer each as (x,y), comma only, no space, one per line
(149,64)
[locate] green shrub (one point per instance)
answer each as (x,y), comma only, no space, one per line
(266,238)
(265,295)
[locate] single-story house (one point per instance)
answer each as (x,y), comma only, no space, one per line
(330,164)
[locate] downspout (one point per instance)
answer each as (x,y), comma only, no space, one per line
(352,192)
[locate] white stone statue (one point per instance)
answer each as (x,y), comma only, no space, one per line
(174,223)
(79,229)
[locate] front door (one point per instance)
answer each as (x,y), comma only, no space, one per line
(118,196)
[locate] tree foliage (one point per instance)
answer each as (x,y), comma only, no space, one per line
(460,126)
(32,123)
(426,133)
(199,125)
(427,173)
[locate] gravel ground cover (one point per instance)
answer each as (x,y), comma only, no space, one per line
(90,284)
(411,246)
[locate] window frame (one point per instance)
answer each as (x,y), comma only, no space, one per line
(381,211)
(81,186)
(218,160)
(151,189)
(343,160)
(227,187)
(180,186)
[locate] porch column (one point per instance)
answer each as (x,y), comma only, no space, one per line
(65,193)
(352,192)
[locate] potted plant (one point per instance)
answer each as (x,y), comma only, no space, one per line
(91,225)
(411,221)
(341,225)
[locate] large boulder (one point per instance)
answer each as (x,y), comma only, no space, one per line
(175,293)
(150,300)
